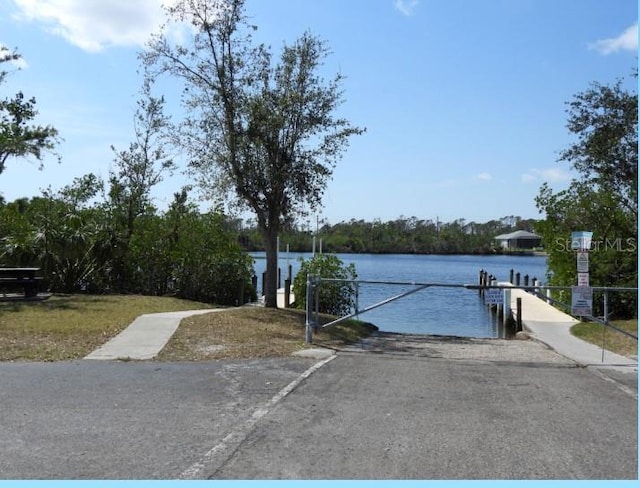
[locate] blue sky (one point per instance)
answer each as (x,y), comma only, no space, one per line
(463,100)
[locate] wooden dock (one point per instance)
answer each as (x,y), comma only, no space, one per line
(535,309)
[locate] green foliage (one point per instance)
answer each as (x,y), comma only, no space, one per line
(263,131)
(192,255)
(19,138)
(335,298)
(603,200)
(400,236)
(181,252)
(136,171)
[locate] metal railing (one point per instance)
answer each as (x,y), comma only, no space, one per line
(312,322)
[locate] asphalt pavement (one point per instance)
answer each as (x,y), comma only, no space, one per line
(392,407)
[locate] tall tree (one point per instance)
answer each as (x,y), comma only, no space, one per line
(605,121)
(604,199)
(136,171)
(18,136)
(261,130)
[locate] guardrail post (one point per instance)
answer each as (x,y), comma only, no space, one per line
(308,331)
(316,296)
(605,311)
(357,300)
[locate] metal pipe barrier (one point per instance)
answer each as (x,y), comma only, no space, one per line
(313,284)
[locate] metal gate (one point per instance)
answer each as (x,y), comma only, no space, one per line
(312,322)
(313,285)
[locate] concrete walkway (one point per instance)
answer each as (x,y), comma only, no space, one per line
(145,337)
(552,327)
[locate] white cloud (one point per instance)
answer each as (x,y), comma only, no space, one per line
(406,7)
(627,41)
(551,175)
(95,25)
(483,176)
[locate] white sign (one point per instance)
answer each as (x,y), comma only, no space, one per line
(581,300)
(581,241)
(493,296)
(583,262)
(583,279)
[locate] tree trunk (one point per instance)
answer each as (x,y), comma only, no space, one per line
(271,280)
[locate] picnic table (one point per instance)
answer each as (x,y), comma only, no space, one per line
(23,279)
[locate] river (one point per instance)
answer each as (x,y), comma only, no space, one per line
(435,310)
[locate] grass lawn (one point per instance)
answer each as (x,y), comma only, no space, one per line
(70,327)
(252,332)
(613,341)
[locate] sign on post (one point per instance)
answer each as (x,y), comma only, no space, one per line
(581,241)
(581,300)
(493,296)
(583,261)
(583,279)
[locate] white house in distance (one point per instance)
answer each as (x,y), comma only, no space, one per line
(520,239)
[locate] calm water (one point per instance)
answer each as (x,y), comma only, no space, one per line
(435,310)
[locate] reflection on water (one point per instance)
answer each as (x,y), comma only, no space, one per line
(435,310)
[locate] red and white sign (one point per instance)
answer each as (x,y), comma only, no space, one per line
(583,279)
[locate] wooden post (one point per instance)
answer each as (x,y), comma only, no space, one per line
(526,280)
(240,294)
(279,277)
(480,281)
(264,281)
(290,272)
(518,279)
(511,276)
(287,292)
(254,282)
(506,306)
(519,312)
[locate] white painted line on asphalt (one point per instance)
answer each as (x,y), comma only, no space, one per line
(235,438)
(633,394)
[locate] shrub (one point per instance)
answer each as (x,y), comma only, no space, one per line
(335,298)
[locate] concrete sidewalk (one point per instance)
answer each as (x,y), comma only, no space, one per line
(552,327)
(145,337)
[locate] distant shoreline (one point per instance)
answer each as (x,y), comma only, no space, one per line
(508,253)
